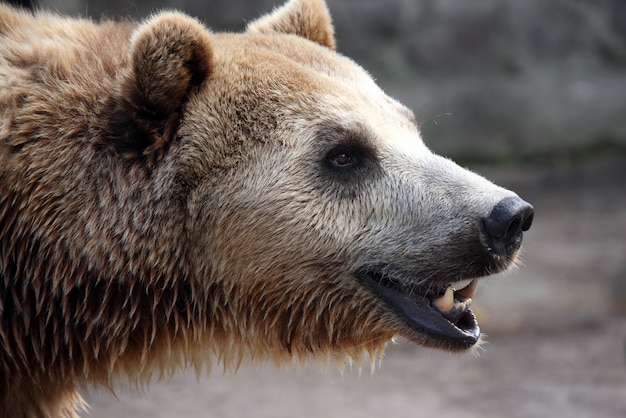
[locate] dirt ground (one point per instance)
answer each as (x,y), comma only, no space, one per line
(556,329)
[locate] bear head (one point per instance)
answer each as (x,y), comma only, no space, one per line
(250,195)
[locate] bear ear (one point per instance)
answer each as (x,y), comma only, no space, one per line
(170,55)
(309,19)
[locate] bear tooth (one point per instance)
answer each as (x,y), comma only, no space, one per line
(462,306)
(445,302)
(469,291)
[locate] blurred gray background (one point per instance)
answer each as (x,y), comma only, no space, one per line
(530,93)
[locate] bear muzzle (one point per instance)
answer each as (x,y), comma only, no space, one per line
(437,312)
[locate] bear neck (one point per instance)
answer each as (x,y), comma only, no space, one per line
(72,314)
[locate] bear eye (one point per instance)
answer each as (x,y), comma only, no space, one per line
(341,159)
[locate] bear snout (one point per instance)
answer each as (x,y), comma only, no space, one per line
(504,227)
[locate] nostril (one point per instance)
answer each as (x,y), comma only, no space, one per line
(514,226)
(528,221)
(506,222)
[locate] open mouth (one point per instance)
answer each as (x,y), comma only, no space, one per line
(441,313)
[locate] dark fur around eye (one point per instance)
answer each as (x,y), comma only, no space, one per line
(350,163)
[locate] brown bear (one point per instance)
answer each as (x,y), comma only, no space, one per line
(172,197)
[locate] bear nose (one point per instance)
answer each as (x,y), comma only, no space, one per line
(504,226)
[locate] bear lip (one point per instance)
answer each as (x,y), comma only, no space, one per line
(456,329)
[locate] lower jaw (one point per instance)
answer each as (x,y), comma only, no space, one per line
(423,320)
(425,324)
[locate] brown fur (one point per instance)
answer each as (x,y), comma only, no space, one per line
(96,280)
(166,201)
